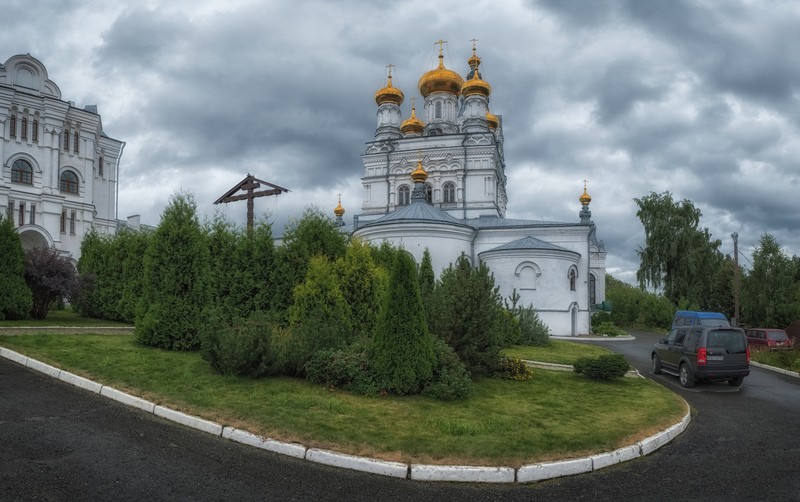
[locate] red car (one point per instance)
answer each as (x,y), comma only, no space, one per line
(769,338)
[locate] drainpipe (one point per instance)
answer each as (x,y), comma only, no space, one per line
(116,198)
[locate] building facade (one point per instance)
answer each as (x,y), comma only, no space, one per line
(440,184)
(59,169)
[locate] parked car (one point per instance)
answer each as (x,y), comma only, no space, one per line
(703,353)
(695,318)
(771,338)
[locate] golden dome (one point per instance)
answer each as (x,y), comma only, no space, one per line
(492,121)
(419,175)
(440,79)
(339,210)
(476,85)
(585,198)
(389,94)
(412,125)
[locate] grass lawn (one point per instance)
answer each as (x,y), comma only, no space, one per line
(558,352)
(66,318)
(555,415)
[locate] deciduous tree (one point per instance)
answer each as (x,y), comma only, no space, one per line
(51,277)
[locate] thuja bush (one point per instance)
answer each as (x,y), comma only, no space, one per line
(15,295)
(450,379)
(347,369)
(242,348)
(514,368)
(533,331)
(605,367)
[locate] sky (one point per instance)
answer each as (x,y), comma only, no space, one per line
(698,98)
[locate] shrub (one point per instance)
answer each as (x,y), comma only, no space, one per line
(451,379)
(514,368)
(347,369)
(605,367)
(243,348)
(50,276)
(508,328)
(533,331)
(607,328)
(15,295)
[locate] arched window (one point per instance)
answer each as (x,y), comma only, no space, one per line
(69,182)
(449,193)
(403,194)
(22,172)
(437,110)
(572,277)
(429,193)
(592,289)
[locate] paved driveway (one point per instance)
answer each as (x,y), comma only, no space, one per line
(58,442)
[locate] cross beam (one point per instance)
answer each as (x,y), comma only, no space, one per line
(249,186)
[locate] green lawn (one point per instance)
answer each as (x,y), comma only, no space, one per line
(786,359)
(558,352)
(554,415)
(64,318)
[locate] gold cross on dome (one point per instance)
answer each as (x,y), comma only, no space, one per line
(441,45)
(474,40)
(390,66)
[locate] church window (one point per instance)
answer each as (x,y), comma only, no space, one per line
(69,182)
(35,131)
(449,193)
(403,194)
(66,140)
(13,126)
(64,221)
(21,213)
(437,110)
(592,289)
(100,166)
(10,210)
(72,223)
(572,279)
(75,143)
(22,172)
(429,193)
(32,218)
(24,131)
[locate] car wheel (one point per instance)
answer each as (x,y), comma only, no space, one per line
(736,382)
(656,365)
(685,376)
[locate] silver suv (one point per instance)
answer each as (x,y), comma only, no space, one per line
(704,353)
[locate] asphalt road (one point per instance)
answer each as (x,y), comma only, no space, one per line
(58,442)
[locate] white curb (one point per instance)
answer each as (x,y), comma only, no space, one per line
(188,420)
(79,381)
(624,454)
(13,356)
(43,368)
(392,469)
(124,398)
(250,439)
(548,470)
(462,473)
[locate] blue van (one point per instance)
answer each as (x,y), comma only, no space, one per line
(694,318)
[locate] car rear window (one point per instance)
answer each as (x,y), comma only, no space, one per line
(713,323)
(732,341)
(776,335)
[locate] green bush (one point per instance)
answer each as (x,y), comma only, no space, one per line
(451,379)
(605,367)
(243,348)
(15,295)
(514,368)
(533,331)
(347,369)
(607,328)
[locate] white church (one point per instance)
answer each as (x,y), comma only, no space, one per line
(439,182)
(59,169)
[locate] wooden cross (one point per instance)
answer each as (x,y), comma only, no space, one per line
(249,186)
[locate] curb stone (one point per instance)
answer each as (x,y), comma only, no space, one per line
(417,472)
(776,369)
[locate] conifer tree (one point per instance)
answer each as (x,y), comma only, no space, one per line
(15,295)
(173,311)
(427,279)
(254,261)
(363,285)
(402,350)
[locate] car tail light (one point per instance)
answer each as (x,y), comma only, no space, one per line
(771,343)
(748,354)
(701,356)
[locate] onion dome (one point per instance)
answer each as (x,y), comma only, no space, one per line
(585,198)
(339,210)
(412,125)
(440,79)
(492,121)
(419,175)
(476,85)
(389,94)
(474,62)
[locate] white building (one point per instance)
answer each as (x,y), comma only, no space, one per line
(59,169)
(441,185)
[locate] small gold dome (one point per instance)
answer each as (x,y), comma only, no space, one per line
(412,125)
(492,121)
(476,85)
(585,198)
(339,210)
(389,94)
(419,175)
(440,79)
